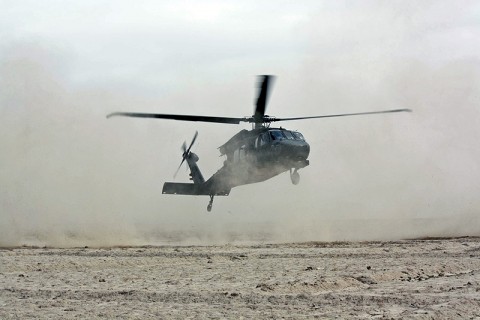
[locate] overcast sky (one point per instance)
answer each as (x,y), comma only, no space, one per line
(149,45)
(153,43)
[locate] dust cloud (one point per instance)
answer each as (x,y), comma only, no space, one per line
(69,177)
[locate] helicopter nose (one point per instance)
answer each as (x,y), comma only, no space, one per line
(302,151)
(295,150)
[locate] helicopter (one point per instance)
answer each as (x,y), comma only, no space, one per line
(252,156)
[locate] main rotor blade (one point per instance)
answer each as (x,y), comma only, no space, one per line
(261,104)
(340,115)
(180,117)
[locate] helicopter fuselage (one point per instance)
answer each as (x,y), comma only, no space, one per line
(258,155)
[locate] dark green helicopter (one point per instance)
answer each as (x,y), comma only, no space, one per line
(251,155)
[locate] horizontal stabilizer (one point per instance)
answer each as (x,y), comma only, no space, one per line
(179,188)
(190,189)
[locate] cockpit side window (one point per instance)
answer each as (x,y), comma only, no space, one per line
(277,135)
(298,136)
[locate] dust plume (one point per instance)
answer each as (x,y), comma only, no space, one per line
(70,177)
(402,176)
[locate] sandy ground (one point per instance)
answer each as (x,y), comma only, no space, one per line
(421,279)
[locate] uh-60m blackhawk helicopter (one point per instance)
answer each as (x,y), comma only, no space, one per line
(251,155)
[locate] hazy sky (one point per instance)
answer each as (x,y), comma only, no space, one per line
(152,44)
(65,64)
(156,45)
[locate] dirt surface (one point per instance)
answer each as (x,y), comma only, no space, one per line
(421,279)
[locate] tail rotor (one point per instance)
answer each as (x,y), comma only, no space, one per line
(186,152)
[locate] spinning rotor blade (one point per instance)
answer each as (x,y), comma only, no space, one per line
(261,104)
(178,169)
(339,115)
(180,117)
(184,146)
(186,152)
(259,118)
(193,141)
(184,149)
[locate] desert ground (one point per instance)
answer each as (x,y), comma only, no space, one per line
(408,279)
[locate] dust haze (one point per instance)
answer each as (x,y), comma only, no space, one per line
(70,177)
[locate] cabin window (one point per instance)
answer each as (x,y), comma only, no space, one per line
(288,134)
(277,135)
(298,136)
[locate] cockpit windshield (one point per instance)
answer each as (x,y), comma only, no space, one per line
(288,134)
(298,136)
(277,135)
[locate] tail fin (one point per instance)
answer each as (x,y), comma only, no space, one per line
(195,174)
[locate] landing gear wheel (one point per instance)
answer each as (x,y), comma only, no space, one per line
(295,177)
(210,204)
